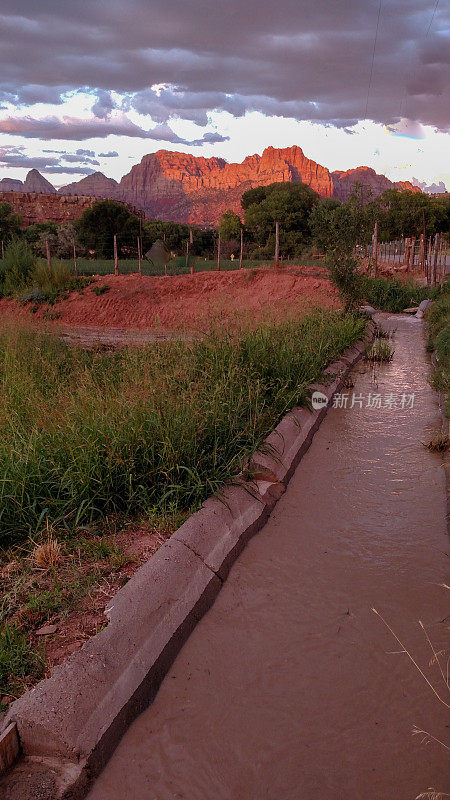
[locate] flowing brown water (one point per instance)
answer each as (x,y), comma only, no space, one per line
(289,688)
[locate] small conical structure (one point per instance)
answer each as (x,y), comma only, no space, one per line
(158,254)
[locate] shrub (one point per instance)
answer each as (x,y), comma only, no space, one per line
(346,277)
(18,265)
(98,290)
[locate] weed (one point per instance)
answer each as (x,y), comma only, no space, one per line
(379,351)
(439,443)
(438,322)
(17,659)
(102,289)
(48,554)
(391,294)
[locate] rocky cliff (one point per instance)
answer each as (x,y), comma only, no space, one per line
(370,181)
(95,185)
(186,188)
(34,207)
(36,183)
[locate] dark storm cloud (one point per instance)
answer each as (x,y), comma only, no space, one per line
(104,104)
(294,58)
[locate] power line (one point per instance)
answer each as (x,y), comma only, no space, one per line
(432,18)
(415,70)
(373,60)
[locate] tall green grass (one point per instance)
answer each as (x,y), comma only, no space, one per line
(391,294)
(85,434)
(438,321)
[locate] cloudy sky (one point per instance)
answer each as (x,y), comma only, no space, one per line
(90,85)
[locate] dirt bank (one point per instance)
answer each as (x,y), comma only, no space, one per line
(148,303)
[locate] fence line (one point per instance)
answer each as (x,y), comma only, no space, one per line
(414,254)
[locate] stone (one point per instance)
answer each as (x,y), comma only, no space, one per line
(47,630)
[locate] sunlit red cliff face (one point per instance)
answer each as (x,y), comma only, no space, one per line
(186,188)
(189,188)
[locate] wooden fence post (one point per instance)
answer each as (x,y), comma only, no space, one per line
(3,249)
(139,255)
(435,260)
(75,262)
(116,260)
(187,257)
(406,252)
(422,246)
(242,248)
(412,254)
(218,253)
(375,246)
(47,250)
(277,244)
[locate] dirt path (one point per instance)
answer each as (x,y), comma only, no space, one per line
(289,688)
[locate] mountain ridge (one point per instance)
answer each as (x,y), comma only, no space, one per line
(181,187)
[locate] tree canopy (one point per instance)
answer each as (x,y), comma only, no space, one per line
(97,226)
(9,223)
(290,204)
(230,226)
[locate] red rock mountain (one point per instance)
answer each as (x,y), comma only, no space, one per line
(186,188)
(35,182)
(371,183)
(95,185)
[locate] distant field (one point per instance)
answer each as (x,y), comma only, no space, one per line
(175,267)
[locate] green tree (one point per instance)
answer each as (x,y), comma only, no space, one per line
(401,213)
(98,225)
(288,203)
(336,230)
(9,223)
(230,226)
(34,234)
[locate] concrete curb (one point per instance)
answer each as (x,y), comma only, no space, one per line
(70,723)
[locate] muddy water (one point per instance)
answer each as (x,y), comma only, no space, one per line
(289,688)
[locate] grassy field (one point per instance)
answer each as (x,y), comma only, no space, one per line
(91,442)
(86,434)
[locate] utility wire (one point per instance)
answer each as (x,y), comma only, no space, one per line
(373,60)
(415,70)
